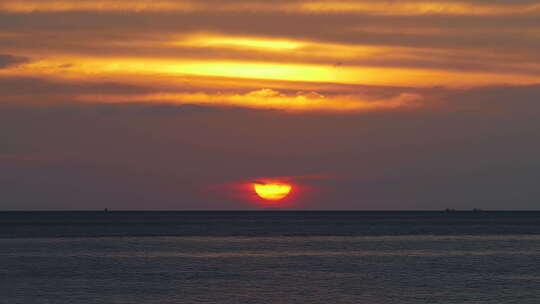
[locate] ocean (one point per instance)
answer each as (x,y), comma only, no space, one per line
(269,257)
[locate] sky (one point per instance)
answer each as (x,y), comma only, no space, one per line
(184,105)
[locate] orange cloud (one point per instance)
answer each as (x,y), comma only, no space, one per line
(125,69)
(268,99)
(297,7)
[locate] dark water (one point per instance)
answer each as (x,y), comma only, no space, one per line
(270,257)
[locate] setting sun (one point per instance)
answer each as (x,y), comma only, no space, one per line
(272,191)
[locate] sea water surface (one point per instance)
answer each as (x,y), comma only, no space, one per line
(269,257)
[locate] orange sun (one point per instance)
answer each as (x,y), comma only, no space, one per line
(272,191)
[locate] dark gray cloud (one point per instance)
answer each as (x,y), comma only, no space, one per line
(9,60)
(41,92)
(335,28)
(13,86)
